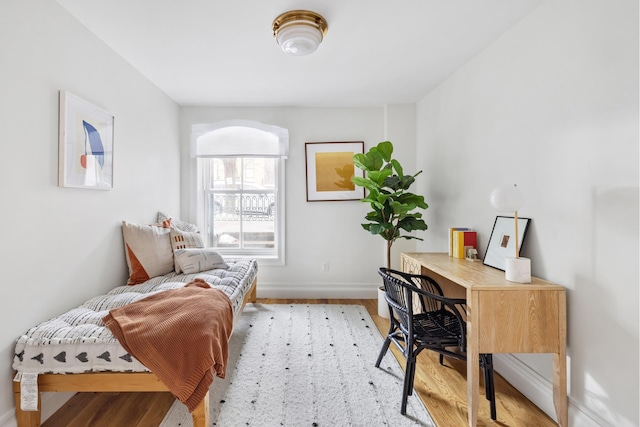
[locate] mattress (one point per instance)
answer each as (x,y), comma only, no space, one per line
(78,342)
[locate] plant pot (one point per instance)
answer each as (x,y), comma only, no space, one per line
(383,307)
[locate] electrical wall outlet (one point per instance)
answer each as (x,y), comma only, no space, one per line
(325,266)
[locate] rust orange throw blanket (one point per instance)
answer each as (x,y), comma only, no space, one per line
(181,335)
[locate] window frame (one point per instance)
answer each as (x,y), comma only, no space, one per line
(275,256)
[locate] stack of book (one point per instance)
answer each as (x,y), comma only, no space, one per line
(460,240)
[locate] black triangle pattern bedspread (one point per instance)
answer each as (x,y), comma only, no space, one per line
(78,341)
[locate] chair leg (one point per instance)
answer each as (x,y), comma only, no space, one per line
(442,359)
(408,385)
(489,385)
(383,351)
(412,375)
(385,345)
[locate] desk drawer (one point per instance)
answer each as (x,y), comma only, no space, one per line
(519,321)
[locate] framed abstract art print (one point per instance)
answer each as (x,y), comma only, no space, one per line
(85,153)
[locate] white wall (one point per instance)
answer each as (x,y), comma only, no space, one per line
(318,232)
(62,246)
(553,106)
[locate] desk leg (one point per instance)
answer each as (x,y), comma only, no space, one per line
(473,358)
(560,366)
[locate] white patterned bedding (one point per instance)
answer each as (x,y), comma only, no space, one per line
(77,341)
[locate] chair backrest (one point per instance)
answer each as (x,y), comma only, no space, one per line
(426,284)
(402,291)
(397,296)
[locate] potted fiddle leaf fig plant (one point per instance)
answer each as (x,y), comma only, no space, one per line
(395,210)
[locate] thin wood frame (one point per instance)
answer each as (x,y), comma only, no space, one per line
(329,169)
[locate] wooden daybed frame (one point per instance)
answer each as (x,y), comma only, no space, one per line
(110,382)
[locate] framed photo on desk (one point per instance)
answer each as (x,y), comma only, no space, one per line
(502,241)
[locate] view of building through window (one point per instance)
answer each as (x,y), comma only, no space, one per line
(240,198)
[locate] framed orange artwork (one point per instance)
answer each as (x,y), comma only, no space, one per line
(330,167)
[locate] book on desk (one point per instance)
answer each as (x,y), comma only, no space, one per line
(460,241)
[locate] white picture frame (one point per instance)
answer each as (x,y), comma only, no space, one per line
(85,152)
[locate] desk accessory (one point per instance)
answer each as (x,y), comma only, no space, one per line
(509,199)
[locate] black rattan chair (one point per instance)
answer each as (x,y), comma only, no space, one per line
(422,318)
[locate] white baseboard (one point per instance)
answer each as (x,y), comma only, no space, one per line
(319,290)
(50,402)
(539,390)
(8,419)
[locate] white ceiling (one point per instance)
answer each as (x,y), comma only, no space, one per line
(222,53)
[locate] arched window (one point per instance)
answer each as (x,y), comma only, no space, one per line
(240,169)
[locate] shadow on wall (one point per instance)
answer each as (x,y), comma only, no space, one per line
(615,230)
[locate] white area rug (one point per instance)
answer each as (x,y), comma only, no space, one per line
(307,365)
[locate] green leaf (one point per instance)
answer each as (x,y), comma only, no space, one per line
(406,182)
(410,224)
(378,176)
(374,228)
(374,216)
(366,226)
(374,160)
(372,199)
(364,182)
(370,161)
(411,237)
(392,182)
(368,199)
(382,198)
(397,167)
(414,199)
(401,209)
(360,161)
(386,149)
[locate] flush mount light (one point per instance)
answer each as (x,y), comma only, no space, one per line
(299,32)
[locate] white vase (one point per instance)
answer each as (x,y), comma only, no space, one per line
(383,307)
(518,270)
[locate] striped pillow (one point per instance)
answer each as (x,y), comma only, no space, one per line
(184,240)
(195,260)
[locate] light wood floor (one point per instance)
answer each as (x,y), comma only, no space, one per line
(442,388)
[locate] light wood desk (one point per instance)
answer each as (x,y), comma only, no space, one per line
(502,317)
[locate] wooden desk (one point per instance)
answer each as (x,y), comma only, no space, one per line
(502,317)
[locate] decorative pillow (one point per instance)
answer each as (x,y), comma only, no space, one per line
(180,225)
(184,240)
(148,250)
(195,260)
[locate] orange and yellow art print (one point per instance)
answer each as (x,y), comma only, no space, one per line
(330,168)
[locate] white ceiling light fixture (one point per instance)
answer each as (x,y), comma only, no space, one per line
(299,32)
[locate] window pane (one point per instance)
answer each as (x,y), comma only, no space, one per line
(258,220)
(223,225)
(259,173)
(225,174)
(241,202)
